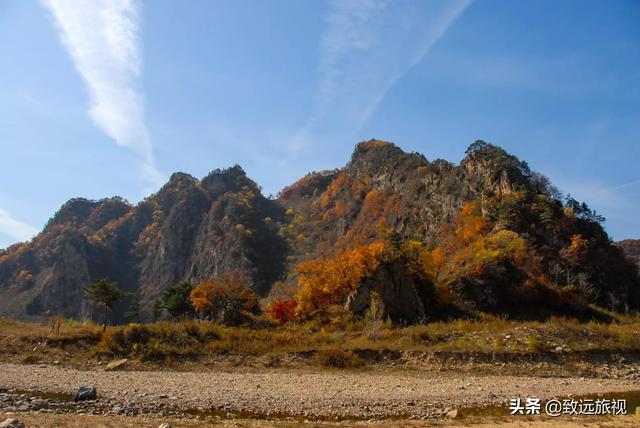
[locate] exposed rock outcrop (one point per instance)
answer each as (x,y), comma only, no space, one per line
(399,293)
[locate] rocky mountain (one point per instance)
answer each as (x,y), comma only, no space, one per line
(187,231)
(194,229)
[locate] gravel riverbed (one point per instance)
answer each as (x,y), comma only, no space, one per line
(321,394)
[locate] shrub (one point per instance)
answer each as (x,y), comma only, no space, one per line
(533,343)
(338,358)
(284,310)
(157,341)
(30,359)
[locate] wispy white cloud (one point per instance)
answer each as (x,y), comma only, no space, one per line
(101,36)
(595,193)
(617,187)
(14,229)
(366,47)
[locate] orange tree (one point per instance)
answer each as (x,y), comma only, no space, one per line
(224,298)
(328,281)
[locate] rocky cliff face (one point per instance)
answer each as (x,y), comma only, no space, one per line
(401,293)
(192,229)
(631,248)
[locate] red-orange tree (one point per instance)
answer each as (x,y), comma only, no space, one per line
(284,310)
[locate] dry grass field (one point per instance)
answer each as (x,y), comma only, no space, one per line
(79,342)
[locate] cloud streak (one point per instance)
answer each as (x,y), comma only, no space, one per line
(366,47)
(619,187)
(14,229)
(101,36)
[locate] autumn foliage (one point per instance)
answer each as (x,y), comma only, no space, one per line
(284,310)
(328,281)
(224,298)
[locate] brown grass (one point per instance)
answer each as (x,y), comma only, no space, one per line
(23,342)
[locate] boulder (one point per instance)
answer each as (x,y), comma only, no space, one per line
(11,423)
(116,365)
(454,414)
(85,393)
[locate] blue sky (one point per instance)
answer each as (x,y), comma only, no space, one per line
(107,98)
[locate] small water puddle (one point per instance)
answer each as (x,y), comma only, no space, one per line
(65,402)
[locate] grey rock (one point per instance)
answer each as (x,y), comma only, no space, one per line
(11,423)
(396,289)
(165,425)
(85,393)
(39,404)
(25,408)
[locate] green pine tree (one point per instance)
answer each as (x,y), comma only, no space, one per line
(105,294)
(133,312)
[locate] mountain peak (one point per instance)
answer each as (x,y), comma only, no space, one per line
(374,148)
(373,156)
(220,181)
(81,211)
(494,167)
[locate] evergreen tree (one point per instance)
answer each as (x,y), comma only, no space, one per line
(176,300)
(106,294)
(133,312)
(156,312)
